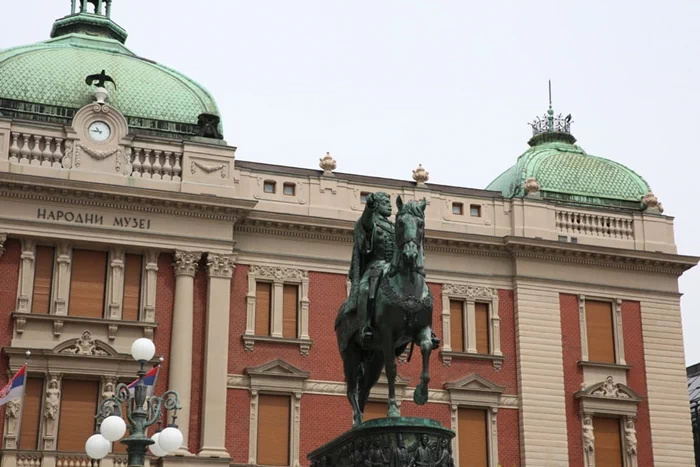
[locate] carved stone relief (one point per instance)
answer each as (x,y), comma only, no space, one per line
(85,345)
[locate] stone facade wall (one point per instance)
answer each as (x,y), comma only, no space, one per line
(165,299)
(9,275)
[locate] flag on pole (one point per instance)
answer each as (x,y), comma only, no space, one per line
(149,380)
(15,388)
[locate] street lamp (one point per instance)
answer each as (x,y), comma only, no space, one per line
(141,412)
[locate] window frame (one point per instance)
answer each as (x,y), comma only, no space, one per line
(279,276)
(271,183)
(476,392)
(470,295)
(476,207)
(618,338)
(459,207)
(282,379)
(291,185)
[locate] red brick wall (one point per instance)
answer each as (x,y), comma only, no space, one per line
(9,275)
(326,293)
(637,377)
(508,438)
(165,298)
(238,424)
(573,374)
(198,336)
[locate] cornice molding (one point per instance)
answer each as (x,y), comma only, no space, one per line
(138,200)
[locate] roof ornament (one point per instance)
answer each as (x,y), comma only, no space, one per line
(328,164)
(101,94)
(420,175)
(556,126)
(652,203)
(531,187)
(208,125)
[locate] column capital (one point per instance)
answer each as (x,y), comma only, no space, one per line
(221,265)
(3,238)
(186,262)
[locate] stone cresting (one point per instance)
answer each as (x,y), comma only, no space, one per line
(399,442)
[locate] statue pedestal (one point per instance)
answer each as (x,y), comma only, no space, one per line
(392,442)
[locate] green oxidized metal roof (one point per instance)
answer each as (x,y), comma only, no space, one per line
(566,172)
(53,73)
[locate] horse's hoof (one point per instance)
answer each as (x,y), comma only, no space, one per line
(420,395)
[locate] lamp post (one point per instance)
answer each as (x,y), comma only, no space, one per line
(141,412)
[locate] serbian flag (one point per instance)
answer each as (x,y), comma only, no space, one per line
(149,380)
(15,388)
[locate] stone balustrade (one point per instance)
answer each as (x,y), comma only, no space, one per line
(597,225)
(156,164)
(32,149)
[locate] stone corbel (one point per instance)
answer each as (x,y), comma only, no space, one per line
(25,285)
(150,282)
(20,324)
(115,281)
(57,328)
(52,408)
(112,331)
(61,279)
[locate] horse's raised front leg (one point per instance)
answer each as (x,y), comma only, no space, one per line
(390,364)
(420,395)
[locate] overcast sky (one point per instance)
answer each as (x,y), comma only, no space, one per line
(387,84)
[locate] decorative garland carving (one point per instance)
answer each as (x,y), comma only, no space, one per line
(277,273)
(208,168)
(97,154)
(470,291)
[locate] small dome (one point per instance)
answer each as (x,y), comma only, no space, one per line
(48,78)
(567,173)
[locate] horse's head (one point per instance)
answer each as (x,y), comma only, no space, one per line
(410,225)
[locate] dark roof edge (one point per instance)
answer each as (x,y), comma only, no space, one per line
(366,179)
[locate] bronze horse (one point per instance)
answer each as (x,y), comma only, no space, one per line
(403,315)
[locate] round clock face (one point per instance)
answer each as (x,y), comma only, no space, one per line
(99,131)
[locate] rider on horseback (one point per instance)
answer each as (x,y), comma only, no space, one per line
(372,252)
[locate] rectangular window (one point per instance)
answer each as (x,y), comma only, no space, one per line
(374,410)
(87,283)
(263,308)
(473,441)
(273,429)
(457,209)
(77,419)
(269,186)
(31,414)
(599,329)
(132,287)
(289,189)
(608,444)
(290,302)
(457,325)
(475,210)
(43,277)
(482,328)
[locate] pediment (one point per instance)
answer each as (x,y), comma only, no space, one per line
(277,368)
(474,382)
(87,346)
(608,389)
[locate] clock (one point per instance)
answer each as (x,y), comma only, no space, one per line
(99,131)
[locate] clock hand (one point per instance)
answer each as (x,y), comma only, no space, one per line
(97,130)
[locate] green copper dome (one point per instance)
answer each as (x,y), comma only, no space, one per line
(567,173)
(46,81)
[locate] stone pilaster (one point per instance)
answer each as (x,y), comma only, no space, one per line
(61,284)
(115,283)
(13,410)
(181,342)
(3,238)
(216,355)
(150,283)
(25,285)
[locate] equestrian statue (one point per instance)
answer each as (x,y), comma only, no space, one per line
(390,305)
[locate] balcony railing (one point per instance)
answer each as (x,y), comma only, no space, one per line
(44,151)
(61,459)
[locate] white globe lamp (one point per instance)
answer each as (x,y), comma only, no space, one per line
(97,446)
(143,349)
(155,448)
(113,428)
(170,439)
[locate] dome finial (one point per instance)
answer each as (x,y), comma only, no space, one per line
(95,21)
(551,127)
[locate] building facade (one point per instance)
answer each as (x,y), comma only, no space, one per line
(124,214)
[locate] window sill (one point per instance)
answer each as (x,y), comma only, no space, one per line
(113,325)
(447,357)
(603,365)
(304,344)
